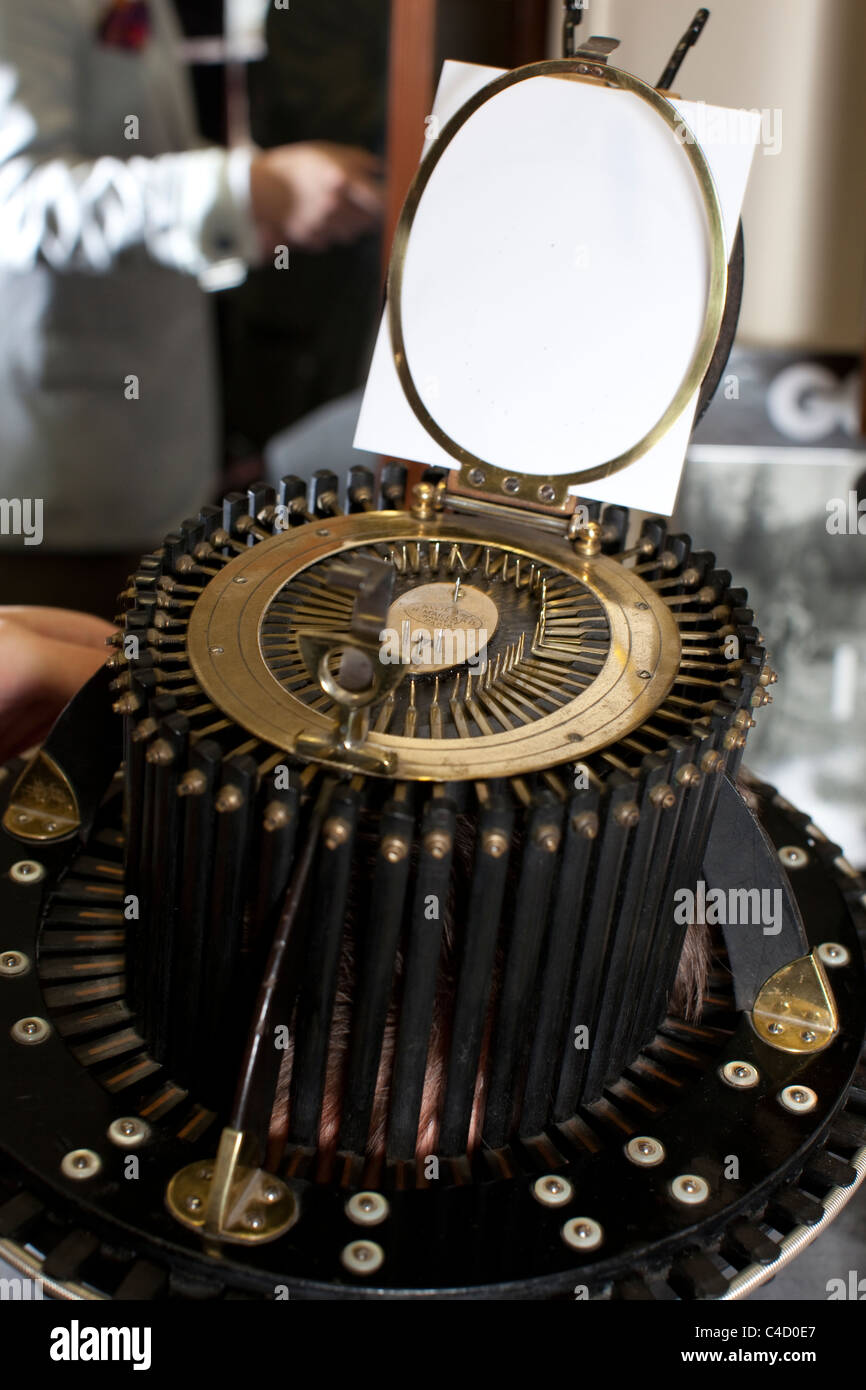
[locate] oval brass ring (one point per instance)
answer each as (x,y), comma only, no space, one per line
(562,483)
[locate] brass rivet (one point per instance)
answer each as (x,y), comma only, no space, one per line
(362,1257)
(645,1151)
(367,1208)
(80,1164)
(740,1074)
(27,871)
(13,963)
(832,953)
(690,1189)
(798,1099)
(552,1191)
(128,1132)
(582,1233)
(30,1031)
(793,857)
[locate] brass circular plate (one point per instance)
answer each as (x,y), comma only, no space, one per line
(522,485)
(226,655)
(425,616)
(267,1210)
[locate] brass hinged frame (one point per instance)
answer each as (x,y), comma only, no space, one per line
(795,1010)
(43,804)
(230,1199)
(478,476)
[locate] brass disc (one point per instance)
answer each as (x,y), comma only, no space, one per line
(230,656)
(441,623)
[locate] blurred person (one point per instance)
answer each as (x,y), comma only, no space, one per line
(291,342)
(112,221)
(46,655)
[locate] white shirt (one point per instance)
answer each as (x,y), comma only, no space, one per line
(103,242)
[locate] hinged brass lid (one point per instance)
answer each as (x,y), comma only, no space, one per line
(487,476)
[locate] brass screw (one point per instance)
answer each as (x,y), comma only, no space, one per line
(547,837)
(335,832)
(161,753)
(229,798)
(143,730)
(627,815)
(688,776)
(588,539)
(276,815)
(586,824)
(733,739)
(663,795)
(192,783)
(437,843)
(712,761)
(394,848)
(423,499)
(494,843)
(127,704)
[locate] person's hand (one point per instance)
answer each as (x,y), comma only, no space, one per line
(312,196)
(46,654)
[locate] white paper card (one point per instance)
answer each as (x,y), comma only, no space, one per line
(555,283)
